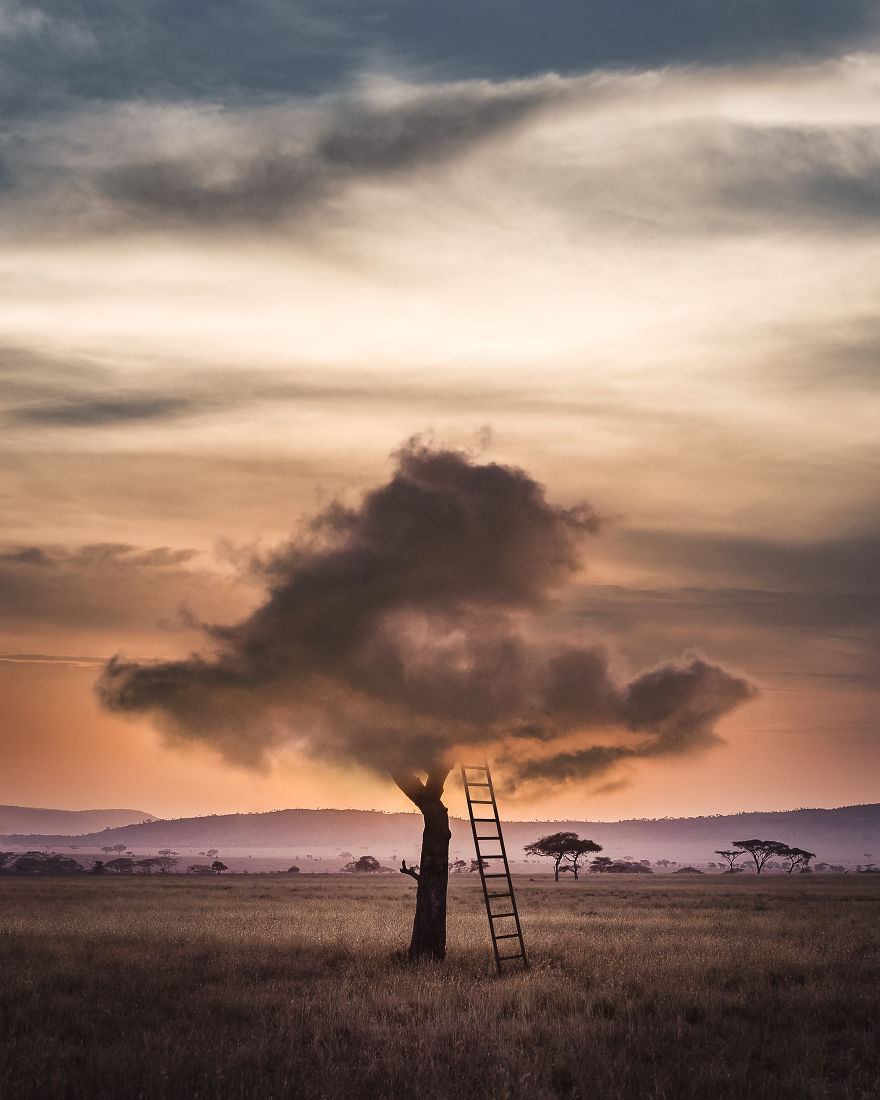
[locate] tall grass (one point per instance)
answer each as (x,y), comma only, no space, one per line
(263,987)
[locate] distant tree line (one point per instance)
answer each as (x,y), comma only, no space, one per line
(51,863)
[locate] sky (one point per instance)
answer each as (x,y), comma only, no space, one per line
(633,250)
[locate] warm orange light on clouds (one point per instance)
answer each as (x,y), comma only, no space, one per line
(650,281)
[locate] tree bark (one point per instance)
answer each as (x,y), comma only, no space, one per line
(429,926)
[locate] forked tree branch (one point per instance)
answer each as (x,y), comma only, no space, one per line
(422,791)
(404,870)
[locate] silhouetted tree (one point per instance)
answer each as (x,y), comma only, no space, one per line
(628,867)
(166,859)
(147,865)
(44,863)
(730,856)
(293,870)
(563,848)
(212,853)
(123,865)
(366,865)
(428,940)
(97,867)
(219,867)
(761,850)
(403,624)
(797,857)
(457,866)
(5,858)
(198,869)
(476,863)
(600,864)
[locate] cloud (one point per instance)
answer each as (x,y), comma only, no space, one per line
(842,564)
(103,587)
(93,414)
(398,631)
(53,55)
(677,152)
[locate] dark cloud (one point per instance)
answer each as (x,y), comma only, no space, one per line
(355,141)
(96,413)
(103,586)
(396,631)
(28,555)
(74,392)
(53,53)
(831,565)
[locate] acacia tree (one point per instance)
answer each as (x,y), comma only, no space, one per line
(563,848)
(166,859)
(797,857)
(406,632)
(730,856)
(366,865)
(761,850)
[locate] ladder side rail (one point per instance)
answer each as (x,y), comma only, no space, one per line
(513,904)
(498,840)
(486,897)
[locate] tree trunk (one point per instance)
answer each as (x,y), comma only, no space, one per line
(429,926)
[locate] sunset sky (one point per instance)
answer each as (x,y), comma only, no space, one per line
(632,249)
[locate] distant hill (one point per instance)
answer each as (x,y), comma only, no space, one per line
(843,835)
(30,819)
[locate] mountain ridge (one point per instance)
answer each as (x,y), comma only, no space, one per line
(838,833)
(45,820)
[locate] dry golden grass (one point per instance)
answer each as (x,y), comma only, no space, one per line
(278,986)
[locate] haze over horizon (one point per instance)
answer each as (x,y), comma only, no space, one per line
(633,253)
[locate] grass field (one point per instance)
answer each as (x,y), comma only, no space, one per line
(263,987)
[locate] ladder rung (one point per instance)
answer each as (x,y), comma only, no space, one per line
(471,783)
(498,916)
(508,936)
(495,819)
(482,802)
(501,958)
(488,838)
(496,895)
(499,856)
(496,874)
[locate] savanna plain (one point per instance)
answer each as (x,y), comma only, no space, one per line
(293,986)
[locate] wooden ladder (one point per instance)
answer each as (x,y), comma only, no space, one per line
(489,834)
